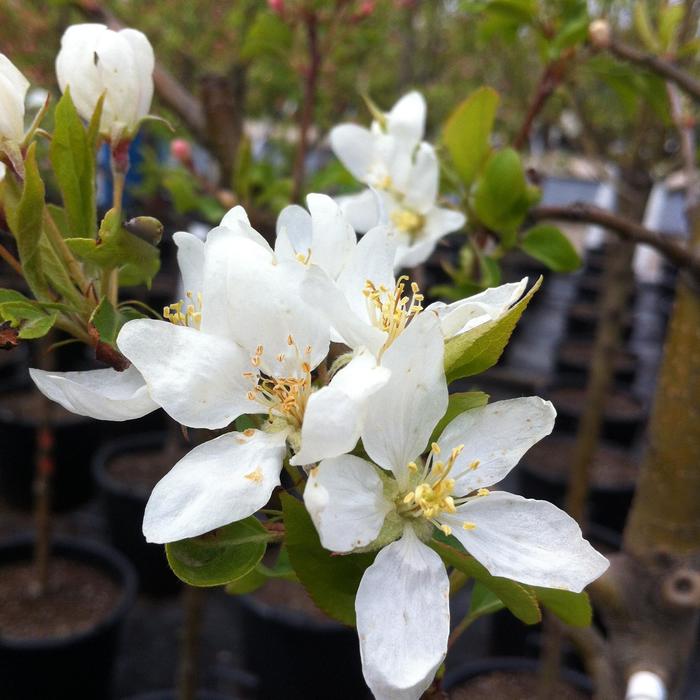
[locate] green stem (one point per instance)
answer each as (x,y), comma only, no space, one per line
(74,268)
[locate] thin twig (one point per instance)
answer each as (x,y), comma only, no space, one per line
(11,260)
(625,228)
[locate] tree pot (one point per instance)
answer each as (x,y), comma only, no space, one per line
(524,674)
(297,655)
(77,664)
(173,695)
(582,321)
(574,360)
(124,495)
(590,287)
(13,365)
(75,439)
(544,474)
(624,414)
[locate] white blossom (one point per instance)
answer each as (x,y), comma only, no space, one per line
(403,172)
(13,90)
(397,500)
(94,60)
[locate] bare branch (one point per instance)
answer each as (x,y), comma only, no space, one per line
(627,229)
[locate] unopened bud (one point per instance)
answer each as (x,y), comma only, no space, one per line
(276,6)
(599,33)
(365,9)
(181,150)
(146,228)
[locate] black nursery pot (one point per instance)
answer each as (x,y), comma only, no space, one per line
(297,657)
(574,360)
(124,506)
(173,695)
(74,666)
(75,440)
(623,417)
(582,321)
(456,677)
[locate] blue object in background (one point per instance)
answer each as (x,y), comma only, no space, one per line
(104,173)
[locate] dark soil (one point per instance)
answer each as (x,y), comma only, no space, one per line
(551,459)
(79,597)
(142,470)
(578,353)
(26,407)
(289,595)
(509,685)
(619,406)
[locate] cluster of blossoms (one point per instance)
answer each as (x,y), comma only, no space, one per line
(402,173)
(321,345)
(252,337)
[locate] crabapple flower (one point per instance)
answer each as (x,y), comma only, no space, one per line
(246,343)
(321,235)
(13,90)
(368,307)
(95,60)
(404,174)
(396,501)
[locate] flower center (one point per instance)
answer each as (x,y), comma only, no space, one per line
(408,221)
(433,496)
(185,313)
(390,311)
(283,397)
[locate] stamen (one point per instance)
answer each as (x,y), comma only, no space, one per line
(191,316)
(483,492)
(466,525)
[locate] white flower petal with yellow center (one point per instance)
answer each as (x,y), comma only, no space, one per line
(218,482)
(353,502)
(13,91)
(321,236)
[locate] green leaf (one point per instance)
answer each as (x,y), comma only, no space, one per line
(258,576)
(642,23)
(29,226)
(268,35)
(520,601)
(572,608)
(73,160)
(219,557)
(483,601)
(34,319)
(136,260)
(459,403)
(107,321)
(501,197)
(481,347)
(331,581)
(467,131)
(550,246)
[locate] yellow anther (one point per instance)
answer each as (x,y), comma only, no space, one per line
(446,529)
(255,475)
(483,492)
(191,316)
(290,340)
(466,525)
(435,448)
(473,465)
(249,432)
(408,498)
(412,467)
(384,183)
(408,221)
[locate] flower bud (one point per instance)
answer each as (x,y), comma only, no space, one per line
(13,89)
(95,60)
(276,6)
(181,150)
(599,33)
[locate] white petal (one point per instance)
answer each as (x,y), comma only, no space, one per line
(13,89)
(440,221)
(234,216)
(404,412)
(196,377)
(406,120)
(15,77)
(104,394)
(410,254)
(471,312)
(335,414)
(421,189)
(190,259)
(495,437)
(324,295)
(267,309)
(294,234)
(333,237)
(403,619)
(354,146)
(144,61)
(528,541)
(361,210)
(217,483)
(345,499)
